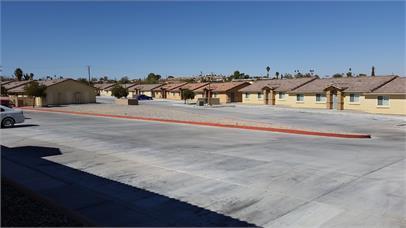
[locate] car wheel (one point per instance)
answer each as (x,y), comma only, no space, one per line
(7,122)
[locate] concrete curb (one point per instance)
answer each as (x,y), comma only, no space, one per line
(270,129)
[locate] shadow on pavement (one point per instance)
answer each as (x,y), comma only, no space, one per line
(25,125)
(99,200)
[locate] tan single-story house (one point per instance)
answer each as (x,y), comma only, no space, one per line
(104,89)
(145,89)
(347,93)
(163,91)
(272,91)
(176,93)
(387,99)
(58,92)
(227,92)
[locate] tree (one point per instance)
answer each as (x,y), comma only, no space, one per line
(3,91)
(349,73)
(277,75)
(124,80)
(188,94)
(31,77)
(83,80)
(337,75)
(153,78)
(34,89)
(267,70)
(18,73)
(373,71)
(118,91)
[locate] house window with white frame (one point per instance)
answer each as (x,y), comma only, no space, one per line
(299,97)
(354,98)
(259,95)
(281,95)
(383,101)
(320,97)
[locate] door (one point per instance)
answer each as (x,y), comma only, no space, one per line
(77,98)
(232,97)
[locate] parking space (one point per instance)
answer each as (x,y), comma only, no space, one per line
(264,178)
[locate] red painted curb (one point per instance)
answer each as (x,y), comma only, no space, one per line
(271,129)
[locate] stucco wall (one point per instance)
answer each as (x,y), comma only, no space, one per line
(70,92)
(173,96)
(397,105)
(308,102)
(105,93)
(252,98)
(158,94)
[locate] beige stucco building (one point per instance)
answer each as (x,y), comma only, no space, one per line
(59,92)
(104,89)
(226,92)
(163,92)
(271,92)
(176,93)
(145,89)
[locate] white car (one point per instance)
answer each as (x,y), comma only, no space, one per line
(10,116)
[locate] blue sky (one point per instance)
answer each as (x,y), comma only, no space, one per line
(184,38)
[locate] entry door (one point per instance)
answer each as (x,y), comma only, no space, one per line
(232,97)
(334,100)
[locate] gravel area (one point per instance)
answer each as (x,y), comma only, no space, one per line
(19,209)
(164,112)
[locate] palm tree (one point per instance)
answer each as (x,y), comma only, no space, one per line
(18,73)
(267,70)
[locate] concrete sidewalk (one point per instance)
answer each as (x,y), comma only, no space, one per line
(98,201)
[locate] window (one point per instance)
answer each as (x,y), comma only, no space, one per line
(259,95)
(354,97)
(320,97)
(246,95)
(299,97)
(281,96)
(383,101)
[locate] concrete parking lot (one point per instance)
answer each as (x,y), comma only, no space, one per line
(267,179)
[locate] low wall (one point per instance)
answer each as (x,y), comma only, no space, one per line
(126,101)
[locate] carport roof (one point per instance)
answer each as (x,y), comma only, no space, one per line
(279,85)
(347,84)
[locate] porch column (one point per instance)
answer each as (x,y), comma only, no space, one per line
(272,97)
(329,102)
(340,103)
(265,93)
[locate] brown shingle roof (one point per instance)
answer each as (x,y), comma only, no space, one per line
(222,87)
(170,86)
(103,86)
(192,86)
(15,84)
(47,83)
(396,86)
(347,84)
(144,87)
(279,85)
(5,82)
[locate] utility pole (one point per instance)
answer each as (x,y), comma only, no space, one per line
(88,73)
